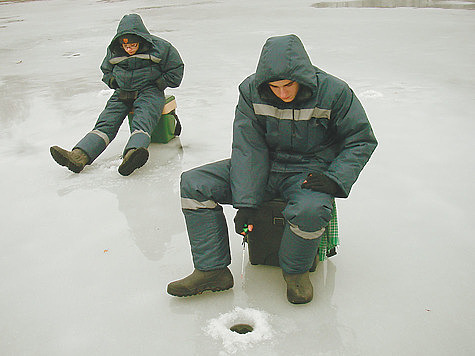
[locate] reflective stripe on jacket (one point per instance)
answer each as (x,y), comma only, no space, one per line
(156,58)
(324,128)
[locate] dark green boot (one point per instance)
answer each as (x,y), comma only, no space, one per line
(74,160)
(133,159)
(299,287)
(199,281)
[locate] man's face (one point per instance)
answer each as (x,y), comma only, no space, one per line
(130,48)
(286,90)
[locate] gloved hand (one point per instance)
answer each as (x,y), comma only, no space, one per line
(321,183)
(113,83)
(161,83)
(244,216)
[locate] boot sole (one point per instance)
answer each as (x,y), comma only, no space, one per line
(198,291)
(58,157)
(136,160)
(64,161)
(299,301)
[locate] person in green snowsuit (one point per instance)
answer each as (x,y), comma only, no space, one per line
(299,134)
(138,66)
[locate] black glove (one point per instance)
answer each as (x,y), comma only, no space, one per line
(321,183)
(244,216)
(161,83)
(113,83)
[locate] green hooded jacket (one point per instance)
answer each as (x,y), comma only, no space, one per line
(324,129)
(156,62)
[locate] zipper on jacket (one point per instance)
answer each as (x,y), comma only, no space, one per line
(292,129)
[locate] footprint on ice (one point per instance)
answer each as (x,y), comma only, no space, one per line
(371,94)
(220,328)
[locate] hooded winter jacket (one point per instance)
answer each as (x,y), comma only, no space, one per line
(156,62)
(324,129)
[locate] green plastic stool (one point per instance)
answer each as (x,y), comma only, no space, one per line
(166,126)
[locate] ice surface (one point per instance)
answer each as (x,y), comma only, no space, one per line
(85,258)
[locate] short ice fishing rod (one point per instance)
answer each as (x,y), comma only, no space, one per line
(245,231)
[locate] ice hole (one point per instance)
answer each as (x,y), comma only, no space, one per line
(241,328)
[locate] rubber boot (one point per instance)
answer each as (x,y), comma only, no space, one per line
(299,287)
(74,160)
(133,159)
(199,281)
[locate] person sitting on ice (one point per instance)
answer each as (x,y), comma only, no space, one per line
(299,134)
(139,66)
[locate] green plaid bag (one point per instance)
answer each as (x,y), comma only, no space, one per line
(329,240)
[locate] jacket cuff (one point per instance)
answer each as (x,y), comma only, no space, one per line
(161,83)
(113,83)
(341,192)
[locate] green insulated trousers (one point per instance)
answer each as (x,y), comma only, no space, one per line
(204,189)
(147,110)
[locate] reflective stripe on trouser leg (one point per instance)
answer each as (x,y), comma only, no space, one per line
(201,190)
(193,204)
(307,213)
(137,139)
(105,129)
(296,254)
(147,109)
(209,240)
(94,143)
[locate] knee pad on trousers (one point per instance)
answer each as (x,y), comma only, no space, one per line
(308,216)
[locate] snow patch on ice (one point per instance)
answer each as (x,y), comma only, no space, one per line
(219,328)
(105,92)
(372,94)
(110,165)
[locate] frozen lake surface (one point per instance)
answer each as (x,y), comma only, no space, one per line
(86,258)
